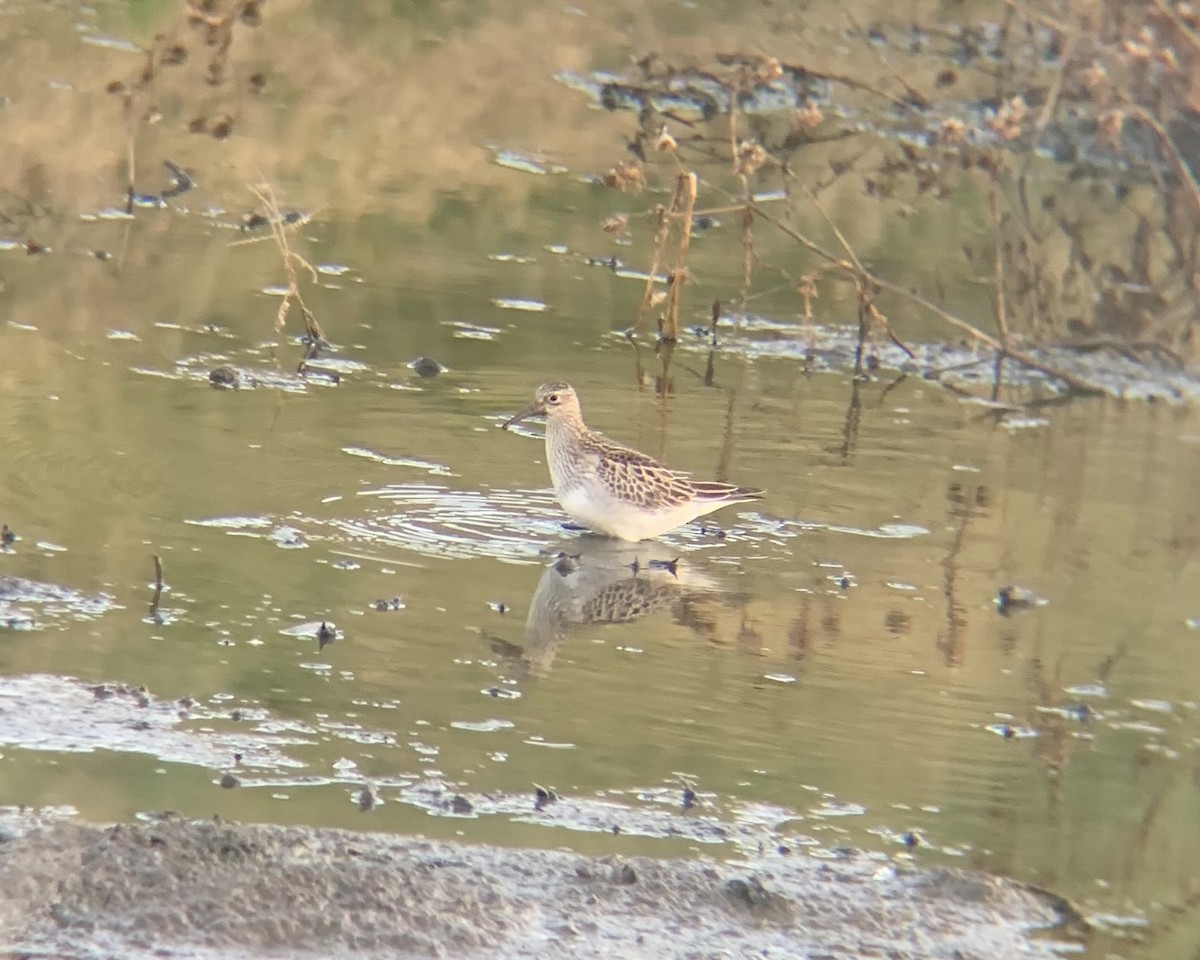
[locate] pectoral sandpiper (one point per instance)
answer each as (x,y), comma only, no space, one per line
(612,489)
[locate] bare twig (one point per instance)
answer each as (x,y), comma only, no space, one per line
(290,258)
(684,203)
(158,588)
(1182,170)
(661,233)
(1074,382)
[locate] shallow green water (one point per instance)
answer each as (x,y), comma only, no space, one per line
(832,666)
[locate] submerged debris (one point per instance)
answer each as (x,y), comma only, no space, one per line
(367,800)
(671,566)
(225,377)
(543,797)
(688,799)
(1012,598)
(426,367)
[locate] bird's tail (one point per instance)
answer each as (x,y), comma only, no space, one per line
(725,492)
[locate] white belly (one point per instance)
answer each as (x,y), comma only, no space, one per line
(619,518)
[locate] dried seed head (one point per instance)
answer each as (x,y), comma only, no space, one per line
(1094,75)
(1109,126)
(665,142)
(625,176)
(769,69)
(953,132)
(1008,119)
(1015,110)
(807,117)
(751,158)
(617,223)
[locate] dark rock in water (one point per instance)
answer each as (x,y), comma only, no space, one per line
(332,376)
(1012,597)
(226,378)
(7,537)
(426,367)
(461,805)
(229,781)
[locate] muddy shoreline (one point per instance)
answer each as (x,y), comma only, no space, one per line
(179,888)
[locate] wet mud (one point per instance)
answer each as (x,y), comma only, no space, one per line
(170,887)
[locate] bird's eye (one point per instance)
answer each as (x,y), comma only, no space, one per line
(553,398)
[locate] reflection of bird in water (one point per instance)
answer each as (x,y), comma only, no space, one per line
(615,490)
(595,581)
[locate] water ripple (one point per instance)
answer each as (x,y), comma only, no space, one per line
(438,521)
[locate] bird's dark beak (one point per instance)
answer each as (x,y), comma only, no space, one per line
(537,410)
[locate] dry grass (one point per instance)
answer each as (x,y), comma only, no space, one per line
(1123,84)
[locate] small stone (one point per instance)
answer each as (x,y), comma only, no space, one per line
(223,377)
(426,367)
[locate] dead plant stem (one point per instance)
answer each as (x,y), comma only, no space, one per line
(684,203)
(1076,383)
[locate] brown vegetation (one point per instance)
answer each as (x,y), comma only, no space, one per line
(1076,131)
